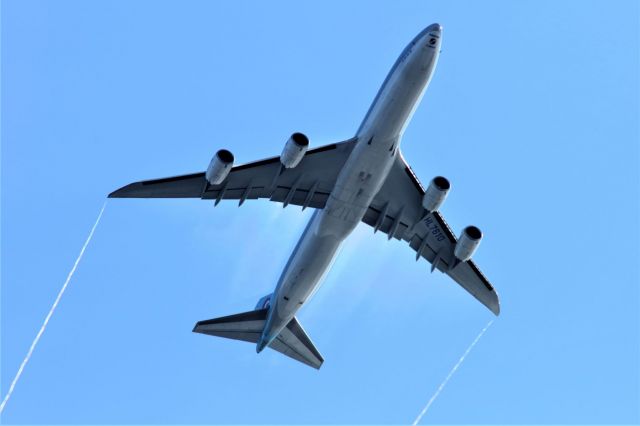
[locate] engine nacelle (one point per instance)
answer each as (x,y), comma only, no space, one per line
(264,302)
(219,167)
(294,150)
(436,193)
(467,243)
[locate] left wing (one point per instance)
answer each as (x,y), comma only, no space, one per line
(308,184)
(397,211)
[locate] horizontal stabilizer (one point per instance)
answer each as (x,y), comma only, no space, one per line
(247,326)
(292,340)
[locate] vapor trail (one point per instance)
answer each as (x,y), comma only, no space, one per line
(453,370)
(48,317)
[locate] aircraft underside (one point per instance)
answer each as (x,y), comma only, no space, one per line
(363,179)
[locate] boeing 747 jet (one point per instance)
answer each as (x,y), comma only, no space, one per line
(363,179)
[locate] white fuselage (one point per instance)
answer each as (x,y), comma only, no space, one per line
(366,169)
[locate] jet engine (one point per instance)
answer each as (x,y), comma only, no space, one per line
(294,150)
(436,193)
(219,167)
(264,302)
(467,243)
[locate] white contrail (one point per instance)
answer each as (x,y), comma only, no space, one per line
(48,317)
(453,370)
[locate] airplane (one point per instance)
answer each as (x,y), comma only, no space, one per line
(362,179)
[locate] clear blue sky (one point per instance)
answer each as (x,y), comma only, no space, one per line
(532,114)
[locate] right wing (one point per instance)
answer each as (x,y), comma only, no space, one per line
(308,184)
(397,211)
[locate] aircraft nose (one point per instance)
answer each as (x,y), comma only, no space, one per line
(435,28)
(431,36)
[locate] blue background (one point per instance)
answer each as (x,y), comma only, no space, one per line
(532,114)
